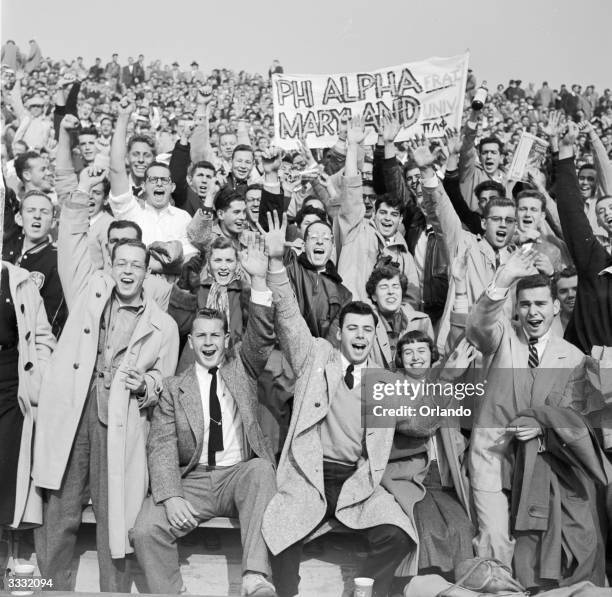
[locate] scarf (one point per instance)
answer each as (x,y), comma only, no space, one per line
(217,296)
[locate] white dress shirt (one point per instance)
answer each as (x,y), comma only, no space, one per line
(164,225)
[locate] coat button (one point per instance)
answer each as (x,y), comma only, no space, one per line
(75,366)
(22,308)
(28,366)
(86,330)
(317,404)
(100,374)
(27,336)
(98,294)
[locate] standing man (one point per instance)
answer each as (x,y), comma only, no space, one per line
(330,466)
(519,363)
(93,412)
(206,451)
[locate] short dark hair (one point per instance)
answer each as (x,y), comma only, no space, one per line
(490,185)
(488,140)
(256,186)
(242,147)
(156,164)
(385,272)
(359,308)
(34,193)
(587,167)
(89,130)
(413,337)
(390,200)
(140,139)
(207,313)
(309,210)
(537,281)
(201,164)
(602,198)
(497,202)
(568,272)
(225,197)
(21,163)
(131,242)
(324,222)
(122,225)
(532,195)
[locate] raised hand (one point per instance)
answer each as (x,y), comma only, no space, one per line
(205,95)
(555,126)
(271,160)
(390,129)
(537,178)
(275,237)
(356,133)
(253,258)
(571,135)
(461,358)
(421,153)
(519,265)
(90,177)
(69,122)
(126,107)
(459,265)
(453,141)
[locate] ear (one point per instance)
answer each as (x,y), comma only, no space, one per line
(338,334)
(172,186)
(226,341)
(556,307)
(189,339)
(19,219)
(483,222)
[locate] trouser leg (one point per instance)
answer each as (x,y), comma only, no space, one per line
(115,573)
(155,538)
(493,539)
(56,539)
(248,489)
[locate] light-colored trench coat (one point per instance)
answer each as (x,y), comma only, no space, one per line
(153,348)
(36,343)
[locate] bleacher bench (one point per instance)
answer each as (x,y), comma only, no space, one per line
(224,522)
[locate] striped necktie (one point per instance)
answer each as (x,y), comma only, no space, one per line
(534,359)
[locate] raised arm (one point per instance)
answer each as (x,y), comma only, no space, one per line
(352,209)
(179,165)
(118,175)
(73,259)
(587,253)
(65,176)
(603,166)
(296,340)
(438,208)
(200,138)
(258,339)
(467,157)
(487,323)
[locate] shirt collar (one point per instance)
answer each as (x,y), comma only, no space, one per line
(345,364)
(165,210)
(138,306)
(542,340)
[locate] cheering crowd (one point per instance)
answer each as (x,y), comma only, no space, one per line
(186,314)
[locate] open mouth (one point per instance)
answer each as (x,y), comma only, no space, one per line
(36,225)
(535,323)
(501,236)
(159,193)
(126,281)
(609,221)
(208,354)
(139,169)
(320,252)
(359,347)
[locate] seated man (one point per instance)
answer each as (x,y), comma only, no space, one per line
(330,466)
(206,452)
(386,287)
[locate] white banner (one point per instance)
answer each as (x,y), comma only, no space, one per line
(425,96)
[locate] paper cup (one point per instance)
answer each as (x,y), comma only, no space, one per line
(23,571)
(363,587)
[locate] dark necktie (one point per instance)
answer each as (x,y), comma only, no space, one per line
(497,259)
(348,376)
(215,428)
(534,360)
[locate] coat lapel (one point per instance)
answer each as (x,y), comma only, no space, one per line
(191,401)
(554,357)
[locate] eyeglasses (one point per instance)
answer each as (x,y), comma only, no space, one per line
(499,220)
(159,179)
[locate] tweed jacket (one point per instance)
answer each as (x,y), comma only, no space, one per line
(176,438)
(299,504)
(511,385)
(152,348)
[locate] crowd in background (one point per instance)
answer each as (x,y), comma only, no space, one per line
(157,244)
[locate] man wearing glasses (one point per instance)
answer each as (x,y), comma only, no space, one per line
(107,372)
(158,220)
